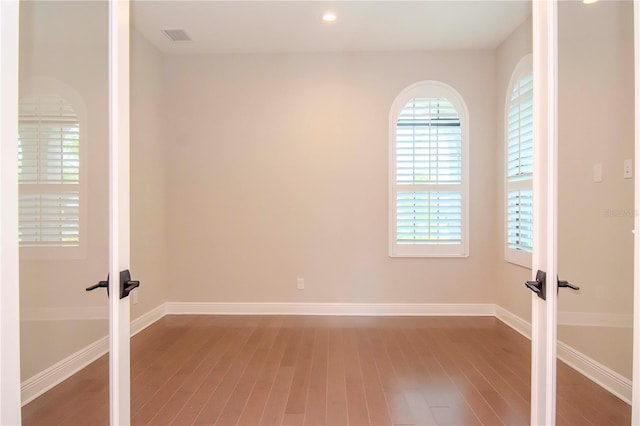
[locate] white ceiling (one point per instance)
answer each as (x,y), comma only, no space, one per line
(296,26)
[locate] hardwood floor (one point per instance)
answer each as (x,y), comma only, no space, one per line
(230,370)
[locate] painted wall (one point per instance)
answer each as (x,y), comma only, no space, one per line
(279,169)
(148,166)
(595,95)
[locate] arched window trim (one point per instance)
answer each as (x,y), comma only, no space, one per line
(429,89)
(523,68)
(43,86)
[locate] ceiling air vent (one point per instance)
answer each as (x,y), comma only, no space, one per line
(177,36)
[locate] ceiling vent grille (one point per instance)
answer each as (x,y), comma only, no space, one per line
(177,35)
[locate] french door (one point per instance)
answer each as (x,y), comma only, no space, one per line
(108,122)
(549,170)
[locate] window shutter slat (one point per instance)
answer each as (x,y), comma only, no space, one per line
(519,170)
(48,218)
(429,217)
(520,220)
(48,173)
(520,129)
(428,142)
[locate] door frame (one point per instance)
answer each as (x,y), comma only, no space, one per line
(10,407)
(119,315)
(543,313)
(119,206)
(635,391)
(545,176)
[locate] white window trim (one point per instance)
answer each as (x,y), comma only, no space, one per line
(429,88)
(42,86)
(517,257)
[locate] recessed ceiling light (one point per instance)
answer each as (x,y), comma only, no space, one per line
(329,17)
(589,1)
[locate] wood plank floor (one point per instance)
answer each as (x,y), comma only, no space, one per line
(271,370)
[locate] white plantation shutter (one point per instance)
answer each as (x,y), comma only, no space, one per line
(428,191)
(48,173)
(519,169)
(519,220)
(520,131)
(429,218)
(49,219)
(428,143)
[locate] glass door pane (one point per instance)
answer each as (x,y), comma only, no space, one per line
(596,207)
(64,204)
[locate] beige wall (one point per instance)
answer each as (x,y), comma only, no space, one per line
(278,169)
(148,166)
(509,290)
(596,125)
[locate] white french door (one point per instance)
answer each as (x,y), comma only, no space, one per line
(116,131)
(544,319)
(544,310)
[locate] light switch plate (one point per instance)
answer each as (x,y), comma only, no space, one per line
(597,172)
(628,169)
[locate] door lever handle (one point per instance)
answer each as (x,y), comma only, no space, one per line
(539,286)
(127,284)
(534,286)
(130,285)
(100,284)
(567,284)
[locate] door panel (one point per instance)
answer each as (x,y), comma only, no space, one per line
(63,127)
(74,191)
(595,198)
(9,298)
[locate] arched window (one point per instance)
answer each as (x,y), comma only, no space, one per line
(49,173)
(428,172)
(519,165)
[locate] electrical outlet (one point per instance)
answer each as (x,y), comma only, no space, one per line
(300,283)
(135,296)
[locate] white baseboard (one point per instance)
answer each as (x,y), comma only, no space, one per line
(512,320)
(373,309)
(145,320)
(60,371)
(610,380)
